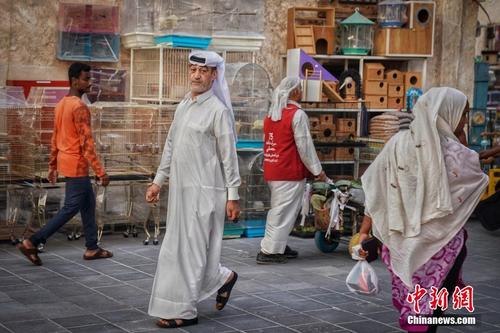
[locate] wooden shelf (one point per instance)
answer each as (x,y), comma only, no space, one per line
(336,162)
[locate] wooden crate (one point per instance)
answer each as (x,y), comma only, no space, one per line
(314,123)
(394,77)
(327,133)
(376,101)
(396,90)
(344,136)
(375,88)
(299,16)
(413,80)
(347,125)
(395,102)
(373,72)
(326,119)
(344,154)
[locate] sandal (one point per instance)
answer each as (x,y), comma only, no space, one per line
(172,323)
(225,289)
(31,254)
(100,254)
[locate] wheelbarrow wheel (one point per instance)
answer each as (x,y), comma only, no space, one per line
(326,245)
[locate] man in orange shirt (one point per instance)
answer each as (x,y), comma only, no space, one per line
(72,152)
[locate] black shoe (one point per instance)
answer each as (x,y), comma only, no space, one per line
(290,254)
(277,258)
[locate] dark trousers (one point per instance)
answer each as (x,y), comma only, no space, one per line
(79,197)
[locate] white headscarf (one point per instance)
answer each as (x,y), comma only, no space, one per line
(280,96)
(219,87)
(415,210)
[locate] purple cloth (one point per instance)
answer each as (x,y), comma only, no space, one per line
(431,274)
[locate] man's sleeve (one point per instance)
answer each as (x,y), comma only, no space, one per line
(163,171)
(82,124)
(226,146)
(304,142)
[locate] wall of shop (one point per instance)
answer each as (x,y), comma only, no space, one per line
(28,40)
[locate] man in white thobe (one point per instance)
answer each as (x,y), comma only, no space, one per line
(200,161)
(289,157)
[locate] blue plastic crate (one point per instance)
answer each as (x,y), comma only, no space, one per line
(254,144)
(233,230)
(195,42)
(254,228)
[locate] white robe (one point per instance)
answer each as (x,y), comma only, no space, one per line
(286,196)
(201,162)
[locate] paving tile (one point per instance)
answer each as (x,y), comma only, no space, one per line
(78,321)
(122,315)
(366,326)
(335,316)
(246,322)
(57,310)
(318,328)
(130,276)
(276,329)
(15,311)
(104,328)
(208,326)
(35,326)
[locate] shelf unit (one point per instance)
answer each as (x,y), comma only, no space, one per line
(340,63)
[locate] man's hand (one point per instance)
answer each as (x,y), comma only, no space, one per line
(104,180)
(52,177)
(233,210)
(321,177)
(153,193)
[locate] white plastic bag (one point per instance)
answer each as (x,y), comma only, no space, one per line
(362,279)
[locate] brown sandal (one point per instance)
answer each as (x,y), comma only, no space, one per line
(31,254)
(172,323)
(100,254)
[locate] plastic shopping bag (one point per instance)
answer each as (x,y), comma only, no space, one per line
(362,279)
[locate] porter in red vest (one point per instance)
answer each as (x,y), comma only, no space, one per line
(289,157)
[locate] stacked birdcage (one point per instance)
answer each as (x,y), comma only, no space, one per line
(129,137)
(159,74)
(14,154)
(39,125)
(250,90)
(255,196)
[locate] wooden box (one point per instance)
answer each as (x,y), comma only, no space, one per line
(394,77)
(326,119)
(344,154)
(415,40)
(346,125)
(375,88)
(413,80)
(350,90)
(396,90)
(376,101)
(395,102)
(373,72)
(344,136)
(326,133)
(326,153)
(314,123)
(308,16)
(316,135)
(324,39)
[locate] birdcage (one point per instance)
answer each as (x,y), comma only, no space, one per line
(255,195)
(129,137)
(188,17)
(250,90)
(159,74)
(39,125)
(239,17)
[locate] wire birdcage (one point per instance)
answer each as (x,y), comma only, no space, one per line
(129,137)
(251,91)
(254,191)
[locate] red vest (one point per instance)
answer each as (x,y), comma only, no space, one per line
(281,158)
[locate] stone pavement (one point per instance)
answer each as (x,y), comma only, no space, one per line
(305,295)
